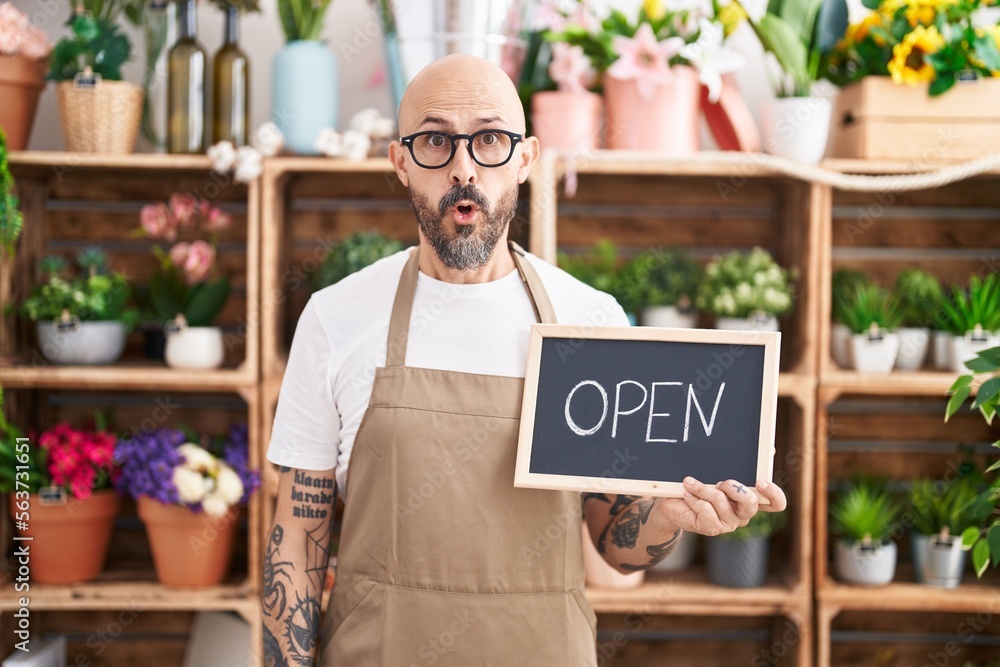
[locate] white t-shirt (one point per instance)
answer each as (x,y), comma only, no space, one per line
(341,339)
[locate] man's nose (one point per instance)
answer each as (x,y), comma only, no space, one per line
(462,169)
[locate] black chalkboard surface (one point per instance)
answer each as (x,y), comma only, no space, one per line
(636,409)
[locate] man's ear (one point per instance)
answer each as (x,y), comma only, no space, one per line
(529,155)
(397,156)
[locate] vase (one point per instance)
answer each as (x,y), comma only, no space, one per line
(666,121)
(231,87)
(69,541)
(305,93)
(761,322)
(189,549)
(87,343)
(601,575)
(159,29)
(869,565)
(874,354)
(913,344)
(195,348)
(737,563)
(796,128)
(100,118)
(668,316)
(840,345)
(186,86)
(567,121)
(21,82)
(937,560)
(965,348)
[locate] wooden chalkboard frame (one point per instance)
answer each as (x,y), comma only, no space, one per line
(770,341)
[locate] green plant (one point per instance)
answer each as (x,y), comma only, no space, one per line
(94,296)
(171,294)
(96,44)
(11,220)
(869,307)
(842,287)
(15,450)
(302,19)
(799,33)
(919,295)
(352,254)
(599,268)
(740,284)
(937,505)
(864,512)
(667,278)
(763,524)
(243,6)
(977,306)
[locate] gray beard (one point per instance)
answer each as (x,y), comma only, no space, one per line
(471,246)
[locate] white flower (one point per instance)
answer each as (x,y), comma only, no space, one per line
(197,458)
(712,58)
(215,505)
(329,142)
(223,156)
(228,485)
(191,486)
(268,140)
(356,145)
(372,123)
(248,164)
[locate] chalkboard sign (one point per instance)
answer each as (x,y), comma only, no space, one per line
(634,410)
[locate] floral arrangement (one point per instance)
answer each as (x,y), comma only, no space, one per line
(742,284)
(644,49)
(181,284)
(19,38)
(246,162)
(93,296)
(167,466)
(368,128)
(916,42)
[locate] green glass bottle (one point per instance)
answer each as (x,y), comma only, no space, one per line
(186,86)
(231,87)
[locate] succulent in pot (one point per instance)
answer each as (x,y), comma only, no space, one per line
(842,287)
(863,517)
(872,315)
(746,291)
(972,315)
(919,295)
(739,559)
(668,281)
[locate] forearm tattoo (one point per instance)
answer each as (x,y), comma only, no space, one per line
(629,514)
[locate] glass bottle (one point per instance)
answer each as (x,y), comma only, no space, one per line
(186,86)
(230,87)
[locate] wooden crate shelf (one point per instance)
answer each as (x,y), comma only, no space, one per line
(691,589)
(108,593)
(900,595)
(921,383)
(125,375)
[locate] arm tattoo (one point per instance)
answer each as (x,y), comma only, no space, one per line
(656,552)
(302,629)
(276,575)
(272,650)
(626,525)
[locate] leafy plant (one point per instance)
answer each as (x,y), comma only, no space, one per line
(936,505)
(302,19)
(11,220)
(170,294)
(352,254)
(870,306)
(741,284)
(94,296)
(669,278)
(975,306)
(763,524)
(96,43)
(919,295)
(865,511)
(842,286)
(14,453)
(599,268)
(243,6)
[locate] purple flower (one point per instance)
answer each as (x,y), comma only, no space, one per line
(147,464)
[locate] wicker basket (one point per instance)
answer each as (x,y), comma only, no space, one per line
(102,119)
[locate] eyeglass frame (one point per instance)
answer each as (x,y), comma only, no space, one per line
(514,137)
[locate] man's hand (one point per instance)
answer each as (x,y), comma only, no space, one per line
(714,510)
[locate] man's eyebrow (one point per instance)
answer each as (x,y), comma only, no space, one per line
(489,120)
(434,119)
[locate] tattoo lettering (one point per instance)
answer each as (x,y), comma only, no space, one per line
(276,575)
(314,496)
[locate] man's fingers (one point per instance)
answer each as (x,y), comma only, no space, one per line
(743,500)
(774,494)
(712,502)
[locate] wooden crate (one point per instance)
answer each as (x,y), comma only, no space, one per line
(878,120)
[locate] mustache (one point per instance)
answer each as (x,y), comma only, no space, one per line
(466,192)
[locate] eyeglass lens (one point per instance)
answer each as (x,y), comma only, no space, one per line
(489,148)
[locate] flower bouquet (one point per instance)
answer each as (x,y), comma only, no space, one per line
(189,496)
(23,50)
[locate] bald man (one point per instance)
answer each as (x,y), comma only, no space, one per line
(403,392)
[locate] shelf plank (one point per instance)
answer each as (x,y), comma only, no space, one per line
(883,167)
(313,165)
(126,376)
(144,161)
(636,163)
(145,595)
(909,596)
(921,383)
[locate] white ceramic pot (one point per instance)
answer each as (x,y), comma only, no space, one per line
(941,349)
(668,316)
(840,346)
(964,348)
(870,566)
(937,561)
(681,556)
(913,344)
(752,323)
(601,575)
(874,355)
(796,128)
(197,348)
(76,342)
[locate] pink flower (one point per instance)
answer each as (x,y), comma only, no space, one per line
(216,220)
(570,68)
(644,59)
(18,37)
(204,209)
(183,206)
(158,222)
(195,259)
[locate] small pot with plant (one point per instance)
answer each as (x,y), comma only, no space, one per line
(352,254)
(843,286)
(746,291)
(669,284)
(599,268)
(972,316)
(739,559)
(919,296)
(872,315)
(99,112)
(23,51)
(82,320)
(862,518)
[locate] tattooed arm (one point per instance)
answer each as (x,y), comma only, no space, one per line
(295,563)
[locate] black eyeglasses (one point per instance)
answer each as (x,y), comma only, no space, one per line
(488,148)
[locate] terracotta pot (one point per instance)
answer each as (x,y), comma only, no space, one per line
(666,122)
(70,541)
(21,82)
(189,549)
(567,121)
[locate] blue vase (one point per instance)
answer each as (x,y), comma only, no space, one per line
(305,93)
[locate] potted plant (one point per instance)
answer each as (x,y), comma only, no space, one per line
(305,76)
(798,33)
(23,50)
(739,559)
(82,320)
(99,112)
(746,291)
(843,286)
(599,268)
(188,493)
(972,317)
(354,253)
(568,118)
(919,296)
(668,281)
(873,316)
(862,517)
(61,497)
(182,297)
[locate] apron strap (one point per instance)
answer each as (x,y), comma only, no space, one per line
(402,305)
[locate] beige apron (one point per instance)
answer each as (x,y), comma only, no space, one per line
(442,561)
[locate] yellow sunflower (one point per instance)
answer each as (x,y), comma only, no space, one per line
(908,64)
(856,32)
